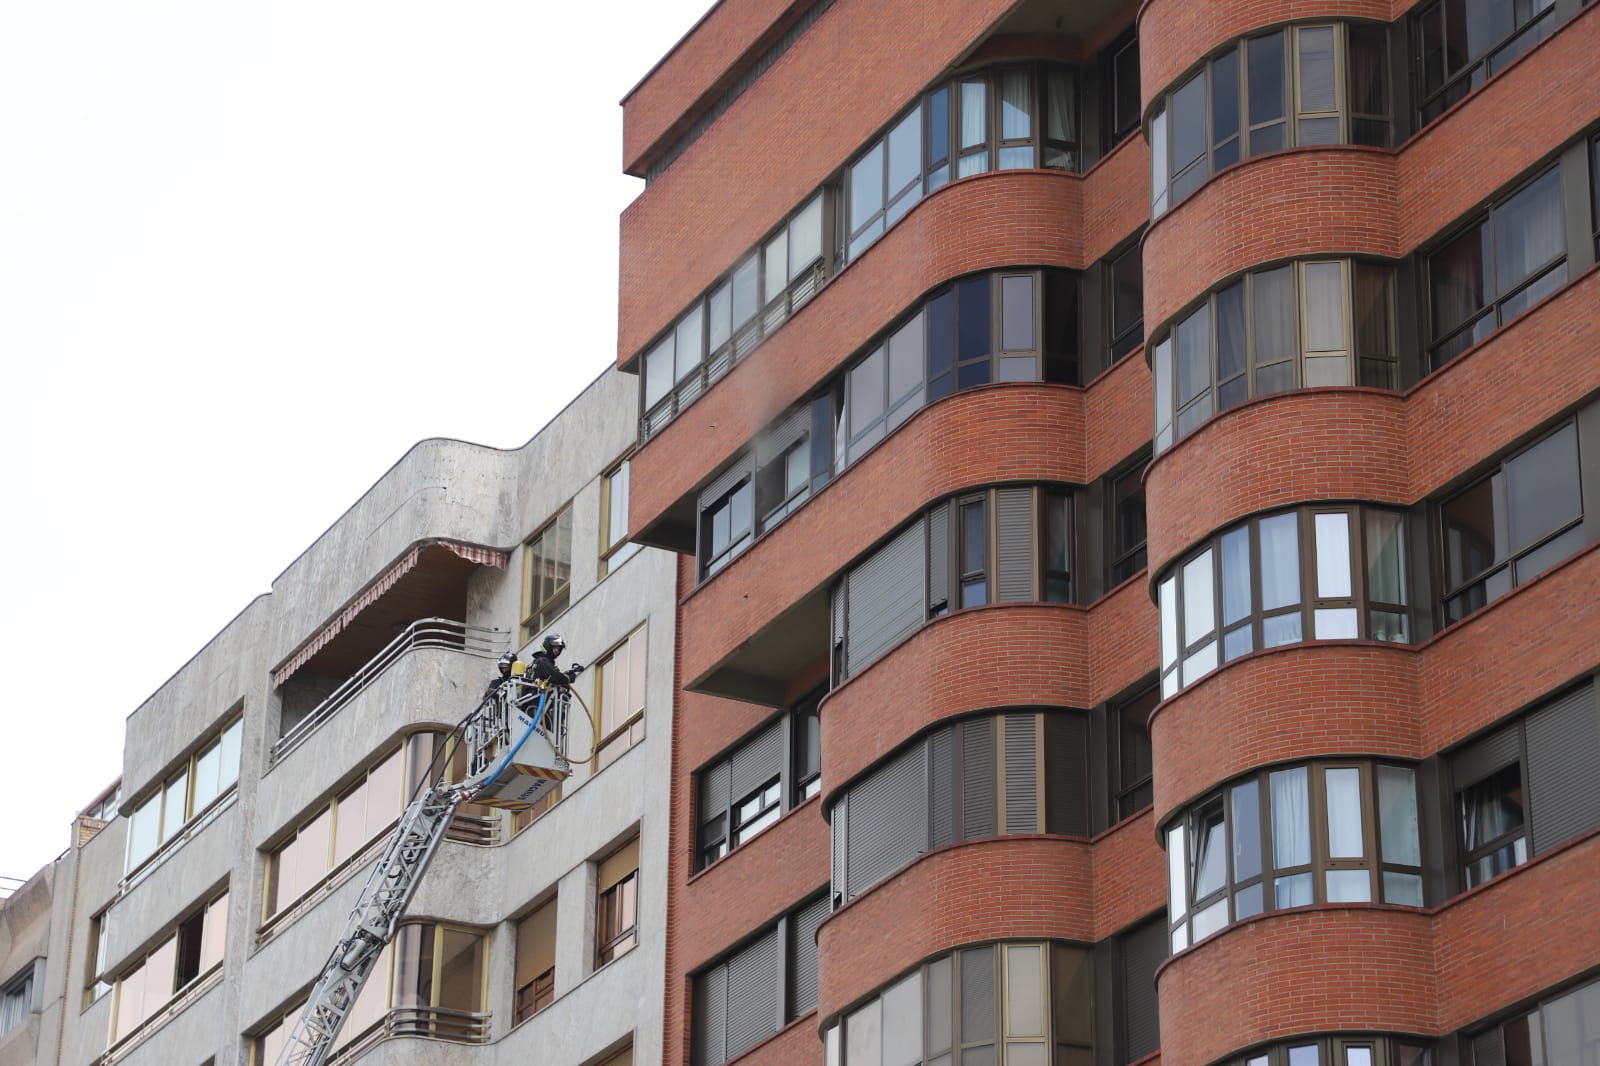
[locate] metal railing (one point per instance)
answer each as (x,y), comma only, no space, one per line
(433,1023)
(424,633)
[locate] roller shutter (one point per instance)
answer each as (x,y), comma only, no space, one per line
(1484,756)
(939,559)
(942,815)
(977,779)
(1563,754)
(758,761)
(710,1017)
(785,434)
(1066,774)
(1022,773)
(803,955)
(1014,552)
(886,598)
(1142,951)
(887,827)
(753,993)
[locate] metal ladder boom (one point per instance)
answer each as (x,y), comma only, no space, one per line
(394,880)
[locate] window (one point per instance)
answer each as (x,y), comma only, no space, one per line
(190,951)
(547,574)
(1006,545)
(191,790)
(1124,274)
(16,1000)
(1298,325)
(617,907)
(95,984)
(1005,118)
(1326,832)
(1305,85)
(726,527)
(1594,191)
(747,790)
(1516,783)
(1129,730)
(615,548)
(1500,265)
(1140,950)
(334,835)
(738,1002)
(985,776)
(1564,1028)
(1460,44)
(1009,1004)
(619,693)
(1125,516)
(1121,67)
(1509,527)
(536,962)
(1248,590)
(1340,1051)
(764,288)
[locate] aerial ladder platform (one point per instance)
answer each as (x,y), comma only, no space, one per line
(516,753)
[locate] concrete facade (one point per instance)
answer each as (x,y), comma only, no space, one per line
(443,495)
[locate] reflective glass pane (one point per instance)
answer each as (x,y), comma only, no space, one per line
(1292,891)
(1273,318)
(658,375)
(1333,555)
(863,1035)
(1210,848)
(1280,561)
(866,187)
(1188,122)
(905,153)
(1245,802)
(1474,534)
(1357,1056)
(1249,901)
(232,738)
(867,392)
(1404,889)
(1210,919)
(1200,663)
(1528,231)
(1016,313)
(1235,575)
(1158,163)
(977,994)
(719,323)
(1349,886)
(974,113)
(1305,1055)
(774,277)
(1231,340)
(1163,383)
(1177,873)
(1237,642)
(1194,354)
(805,237)
(972,319)
(1291,818)
(1317,86)
(1199,604)
(690,342)
(940,1021)
(1325,330)
(902,1022)
(1386,561)
(174,810)
(1168,597)
(1264,56)
(1280,629)
(1397,815)
(1339,623)
(1024,990)
(1457,283)
(1343,788)
(206,773)
(746,299)
(1224,97)
(1542,487)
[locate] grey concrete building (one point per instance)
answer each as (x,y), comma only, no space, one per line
(261,781)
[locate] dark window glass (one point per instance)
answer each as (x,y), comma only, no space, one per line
(1133,780)
(1057,554)
(1232,384)
(1491,824)
(807,746)
(1188,117)
(1462,43)
(1264,56)
(972,319)
(1128,524)
(1369,85)
(974,553)
(1512,525)
(1127,301)
(1124,91)
(1060,328)
(1225,110)
(1194,369)
(938,130)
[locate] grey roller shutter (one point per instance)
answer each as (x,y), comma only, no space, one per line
(1142,951)
(757,762)
(942,816)
(977,779)
(886,598)
(710,1017)
(939,558)
(753,993)
(1483,757)
(1563,779)
(1066,774)
(1488,1049)
(714,798)
(977,995)
(724,482)
(803,956)
(1014,552)
(887,826)
(783,435)
(1022,773)
(837,598)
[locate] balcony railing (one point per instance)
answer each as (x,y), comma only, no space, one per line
(423,633)
(433,1023)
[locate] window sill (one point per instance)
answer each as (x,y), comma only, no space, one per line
(742,848)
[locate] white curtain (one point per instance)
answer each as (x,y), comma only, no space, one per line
(1291,818)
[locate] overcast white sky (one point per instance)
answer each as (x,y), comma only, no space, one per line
(249,253)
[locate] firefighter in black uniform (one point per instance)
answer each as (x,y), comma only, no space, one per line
(543,665)
(507,661)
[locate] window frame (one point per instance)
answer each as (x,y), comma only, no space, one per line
(739,540)
(1268,874)
(716,833)
(1129,796)
(621,549)
(542,986)
(170,936)
(540,615)
(1177,656)
(635,718)
(1124,562)
(1456,85)
(1385,1050)
(1441,347)
(167,835)
(1130,337)
(611,906)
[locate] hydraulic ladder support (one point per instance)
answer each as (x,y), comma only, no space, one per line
(508,739)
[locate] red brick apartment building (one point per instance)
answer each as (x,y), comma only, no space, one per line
(1136,476)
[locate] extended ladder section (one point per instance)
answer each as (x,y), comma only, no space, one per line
(515,739)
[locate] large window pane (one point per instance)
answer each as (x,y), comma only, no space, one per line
(1333,555)
(1199,604)
(1542,488)
(1458,286)
(1317,85)
(1225,109)
(1343,786)
(1264,74)
(689,342)
(1280,561)
(1177,874)
(1386,560)
(1210,852)
(1273,319)
(902,1023)
(1291,818)
(1246,814)
(1015,117)
(1325,307)
(1397,816)
(1024,990)
(805,237)
(1528,231)
(1235,575)
(1016,313)
(866,187)
(1194,354)
(972,319)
